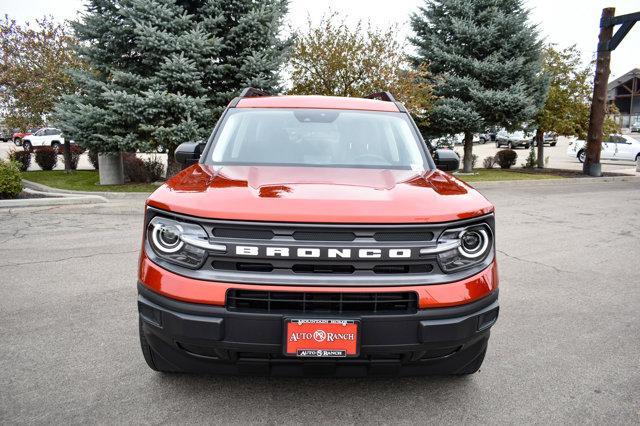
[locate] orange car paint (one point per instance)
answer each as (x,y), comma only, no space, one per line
(317,102)
(319,195)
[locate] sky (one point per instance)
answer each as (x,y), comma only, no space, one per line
(564,22)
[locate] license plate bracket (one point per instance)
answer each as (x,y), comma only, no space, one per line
(321,338)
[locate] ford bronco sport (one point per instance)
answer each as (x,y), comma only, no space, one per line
(315,235)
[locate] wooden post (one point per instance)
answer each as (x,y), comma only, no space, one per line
(591,164)
(634,87)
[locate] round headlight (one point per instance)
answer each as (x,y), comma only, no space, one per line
(473,243)
(166,237)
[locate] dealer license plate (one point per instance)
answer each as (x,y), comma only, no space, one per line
(321,338)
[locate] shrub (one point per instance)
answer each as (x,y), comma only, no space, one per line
(46,158)
(134,169)
(155,168)
(530,162)
(10,182)
(489,162)
(22,157)
(93,159)
(506,158)
(76,152)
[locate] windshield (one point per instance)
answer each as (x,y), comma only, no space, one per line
(317,138)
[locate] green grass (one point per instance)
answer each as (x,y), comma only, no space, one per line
(82,180)
(485,175)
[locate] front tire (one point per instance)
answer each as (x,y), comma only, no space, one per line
(510,145)
(582,155)
(497,144)
(27,146)
(17,141)
(473,366)
(56,147)
(149,354)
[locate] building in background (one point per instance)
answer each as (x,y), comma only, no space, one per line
(624,93)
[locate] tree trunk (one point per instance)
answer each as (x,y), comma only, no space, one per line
(540,141)
(111,168)
(66,151)
(468,153)
(173,167)
(591,164)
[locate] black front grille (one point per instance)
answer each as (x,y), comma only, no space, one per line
(257,234)
(403,236)
(323,236)
(421,267)
(322,303)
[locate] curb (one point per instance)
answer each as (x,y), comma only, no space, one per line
(55,199)
(555,182)
(103,194)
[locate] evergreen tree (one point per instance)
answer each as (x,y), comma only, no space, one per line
(485,60)
(163,70)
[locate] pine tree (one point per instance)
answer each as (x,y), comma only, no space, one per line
(163,70)
(485,60)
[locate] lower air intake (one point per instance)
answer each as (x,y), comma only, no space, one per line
(322,303)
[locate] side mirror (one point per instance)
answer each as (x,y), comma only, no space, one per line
(188,153)
(446,160)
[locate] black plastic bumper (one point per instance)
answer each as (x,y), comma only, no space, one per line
(211,339)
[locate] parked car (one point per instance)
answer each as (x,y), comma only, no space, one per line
(447,141)
(549,138)
(614,147)
(5,135)
(513,140)
(455,139)
(635,127)
(316,235)
(487,136)
(439,143)
(47,136)
(18,136)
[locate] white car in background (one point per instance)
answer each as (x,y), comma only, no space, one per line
(614,147)
(47,136)
(455,139)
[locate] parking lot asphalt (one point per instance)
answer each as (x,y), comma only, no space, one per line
(566,349)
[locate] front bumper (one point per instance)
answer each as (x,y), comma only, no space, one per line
(194,337)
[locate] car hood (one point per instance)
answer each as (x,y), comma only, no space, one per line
(318,194)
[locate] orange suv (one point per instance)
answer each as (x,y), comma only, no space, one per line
(316,235)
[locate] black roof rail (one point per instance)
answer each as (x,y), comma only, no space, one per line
(383,96)
(251,92)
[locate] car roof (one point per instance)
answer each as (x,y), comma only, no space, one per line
(318,102)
